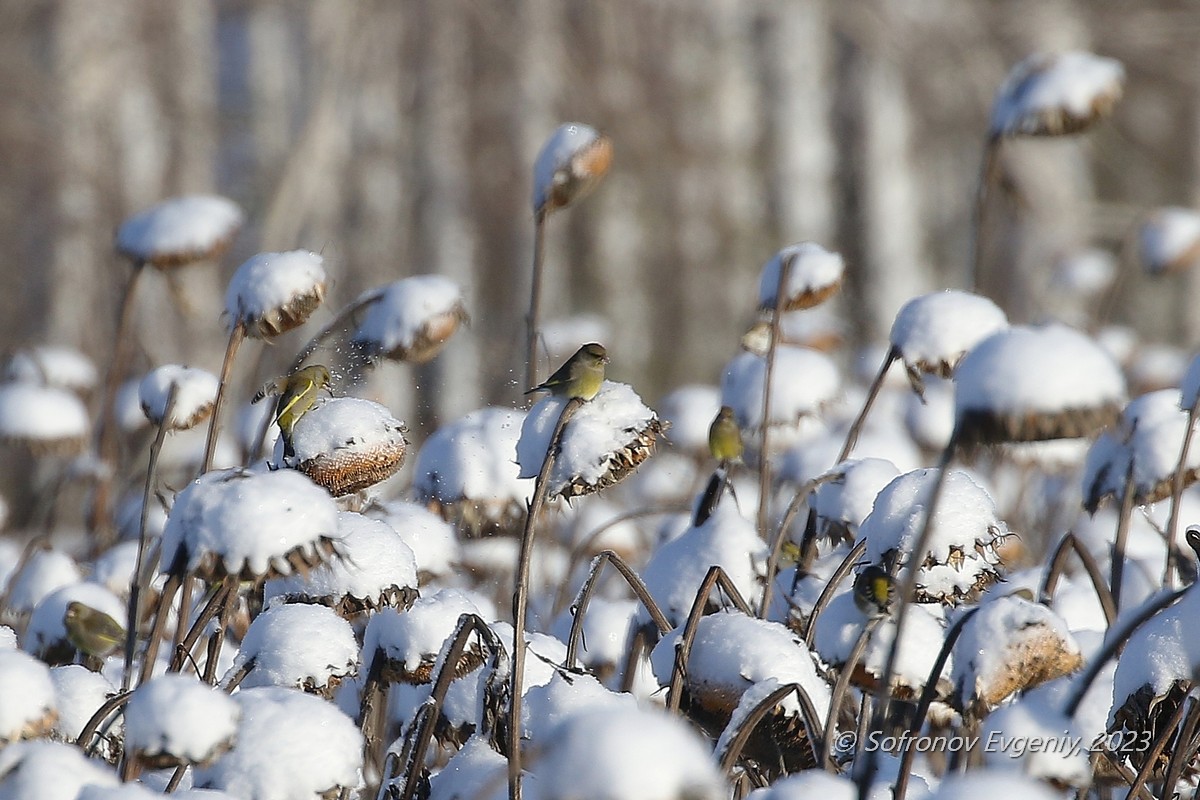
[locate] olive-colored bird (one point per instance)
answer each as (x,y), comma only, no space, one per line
(874,591)
(297,394)
(93,632)
(725,437)
(581,376)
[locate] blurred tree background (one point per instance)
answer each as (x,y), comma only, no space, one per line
(397,138)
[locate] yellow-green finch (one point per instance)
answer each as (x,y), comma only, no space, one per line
(581,376)
(297,394)
(93,632)
(874,591)
(725,437)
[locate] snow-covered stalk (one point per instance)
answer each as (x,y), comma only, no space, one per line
(421,732)
(927,696)
(715,578)
(764,462)
(135,587)
(1054,569)
(904,594)
(1177,482)
(235,340)
(808,714)
(872,392)
(589,587)
(825,750)
(535,298)
(521,594)
(1118,552)
(106,431)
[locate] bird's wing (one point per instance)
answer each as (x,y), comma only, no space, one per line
(308,387)
(269,388)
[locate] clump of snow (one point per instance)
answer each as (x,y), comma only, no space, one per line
(430,538)
(990,784)
(28,694)
(606,627)
(847,499)
(690,411)
(1148,441)
(472,459)
(416,635)
(1159,653)
(113,569)
(933,332)
(1169,240)
(179,230)
(601,429)
(247,520)
(732,652)
(549,705)
(299,646)
(290,744)
(47,631)
(1006,632)
(929,416)
(78,692)
(52,365)
(839,626)
(345,424)
(471,772)
(1050,368)
(1052,94)
(49,771)
(965,524)
(1085,273)
(813,275)
(613,754)
(41,414)
(373,563)
(180,717)
(572,158)
(195,393)
(1064,757)
(807,784)
(677,568)
(803,381)
(409,316)
(45,571)
(274,292)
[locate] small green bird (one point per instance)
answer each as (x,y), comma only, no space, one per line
(581,376)
(93,632)
(725,437)
(297,394)
(874,591)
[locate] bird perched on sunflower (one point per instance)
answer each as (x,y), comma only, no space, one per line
(874,591)
(581,376)
(725,438)
(297,393)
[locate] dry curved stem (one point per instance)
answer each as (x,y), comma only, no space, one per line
(856,427)
(98,523)
(594,534)
(831,586)
(1070,542)
(808,715)
(927,694)
(1160,742)
(579,607)
(233,679)
(714,578)
(521,593)
(1185,746)
(210,443)
(535,297)
(798,499)
(764,461)
(228,592)
(1118,554)
(1113,645)
(840,689)
(1126,774)
(134,613)
(904,593)
(215,605)
(160,621)
(421,732)
(1177,481)
(987,174)
(85,740)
